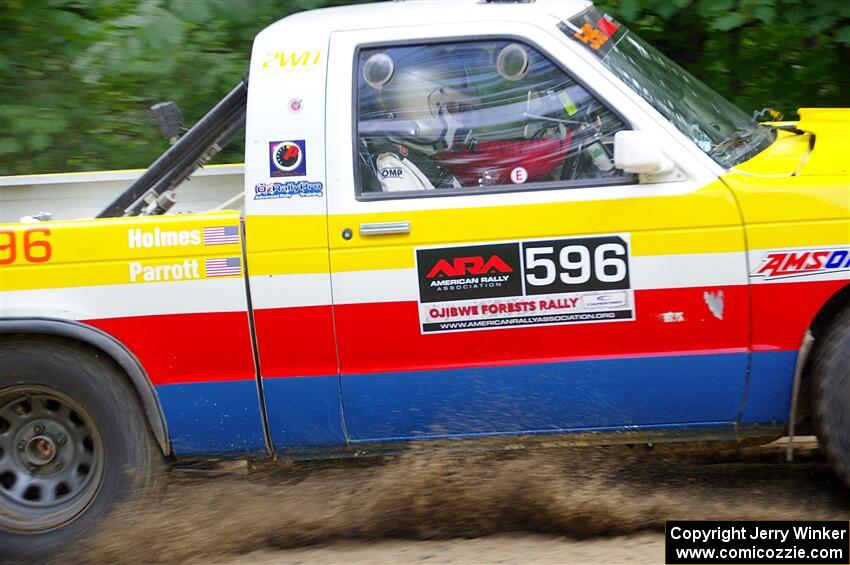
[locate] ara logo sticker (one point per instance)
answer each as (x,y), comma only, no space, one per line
(793,264)
(478,271)
(469,266)
(288,158)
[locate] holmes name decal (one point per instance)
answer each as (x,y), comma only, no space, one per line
(524,284)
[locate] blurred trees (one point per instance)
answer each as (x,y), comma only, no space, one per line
(77,77)
(784,54)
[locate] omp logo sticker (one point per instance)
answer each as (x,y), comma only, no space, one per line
(392,172)
(788,264)
(276,60)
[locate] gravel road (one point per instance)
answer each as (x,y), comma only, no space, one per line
(575,505)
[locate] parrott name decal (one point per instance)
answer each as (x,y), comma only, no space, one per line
(528,283)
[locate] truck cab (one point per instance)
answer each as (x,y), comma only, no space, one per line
(461,220)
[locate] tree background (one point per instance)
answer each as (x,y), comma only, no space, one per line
(77,77)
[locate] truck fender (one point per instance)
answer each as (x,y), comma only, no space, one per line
(822,321)
(110,347)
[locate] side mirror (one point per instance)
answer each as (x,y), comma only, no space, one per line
(638,152)
(169,119)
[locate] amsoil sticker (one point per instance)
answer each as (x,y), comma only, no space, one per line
(788,264)
(559,281)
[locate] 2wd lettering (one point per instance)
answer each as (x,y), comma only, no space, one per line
(469,266)
(34,245)
(783,264)
(283,59)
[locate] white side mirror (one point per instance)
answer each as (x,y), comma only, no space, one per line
(639,152)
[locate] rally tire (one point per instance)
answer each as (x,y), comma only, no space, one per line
(831,395)
(123,463)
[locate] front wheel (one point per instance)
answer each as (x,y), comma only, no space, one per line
(73,444)
(831,395)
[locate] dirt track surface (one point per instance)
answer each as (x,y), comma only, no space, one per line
(576,505)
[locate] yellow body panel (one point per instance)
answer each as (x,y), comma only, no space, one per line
(811,208)
(112,251)
(278,245)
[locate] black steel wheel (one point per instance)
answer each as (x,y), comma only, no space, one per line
(51,458)
(74,444)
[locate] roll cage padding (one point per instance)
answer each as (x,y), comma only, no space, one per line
(111,347)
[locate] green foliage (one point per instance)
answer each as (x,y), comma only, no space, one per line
(784,54)
(77,77)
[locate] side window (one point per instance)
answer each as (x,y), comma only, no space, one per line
(478,114)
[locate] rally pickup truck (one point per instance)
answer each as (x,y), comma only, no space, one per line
(520,221)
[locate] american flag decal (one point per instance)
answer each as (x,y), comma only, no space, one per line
(221,235)
(223,267)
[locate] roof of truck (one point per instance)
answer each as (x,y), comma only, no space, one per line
(424,12)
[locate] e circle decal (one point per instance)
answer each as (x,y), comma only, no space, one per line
(519,175)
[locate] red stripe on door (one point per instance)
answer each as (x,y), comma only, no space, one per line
(386,337)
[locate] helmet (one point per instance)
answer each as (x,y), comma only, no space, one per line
(420,98)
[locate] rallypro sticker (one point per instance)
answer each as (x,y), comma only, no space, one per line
(265,190)
(529,283)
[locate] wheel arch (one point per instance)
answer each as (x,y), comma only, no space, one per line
(125,359)
(821,323)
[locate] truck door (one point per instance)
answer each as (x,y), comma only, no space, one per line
(493,273)
(286,240)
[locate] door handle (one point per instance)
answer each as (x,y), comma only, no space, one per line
(384,228)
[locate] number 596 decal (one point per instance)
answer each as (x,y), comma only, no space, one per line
(573,265)
(499,285)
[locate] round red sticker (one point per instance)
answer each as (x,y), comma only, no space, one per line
(295,105)
(519,175)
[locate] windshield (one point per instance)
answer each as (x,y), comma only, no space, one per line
(718,127)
